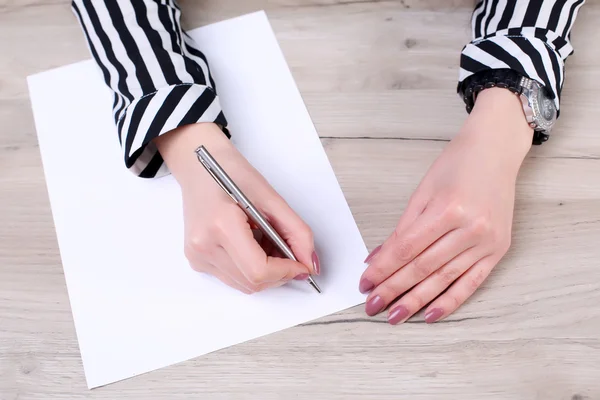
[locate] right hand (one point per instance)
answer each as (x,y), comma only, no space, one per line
(219,238)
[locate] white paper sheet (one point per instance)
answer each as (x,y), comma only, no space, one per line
(136,303)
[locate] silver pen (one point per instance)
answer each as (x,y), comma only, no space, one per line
(221,177)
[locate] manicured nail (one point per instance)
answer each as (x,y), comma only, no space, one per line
(374,306)
(365,286)
(316,263)
(398,315)
(302,277)
(433,315)
(373,254)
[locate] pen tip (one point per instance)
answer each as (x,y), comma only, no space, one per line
(314,284)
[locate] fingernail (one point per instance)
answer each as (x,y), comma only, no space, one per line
(373,254)
(365,286)
(302,277)
(433,315)
(398,315)
(316,263)
(374,306)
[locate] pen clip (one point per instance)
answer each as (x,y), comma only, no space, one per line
(210,171)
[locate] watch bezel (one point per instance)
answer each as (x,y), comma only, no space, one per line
(530,98)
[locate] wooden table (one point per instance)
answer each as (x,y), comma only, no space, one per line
(379,80)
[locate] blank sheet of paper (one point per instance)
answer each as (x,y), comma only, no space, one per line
(137,305)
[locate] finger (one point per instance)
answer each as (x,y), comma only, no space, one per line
(268,247)
(413,210)
(435,256)
(229,281)
(266,244)
(441,252)
(209,269)
(226,270)
(402,248)
(218,264)
(461,290)
(416,206)
(200,265)
(426,291)
(258,268)
(225,264)
(296,233)
(276,253)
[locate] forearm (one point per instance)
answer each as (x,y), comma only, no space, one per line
(160,81)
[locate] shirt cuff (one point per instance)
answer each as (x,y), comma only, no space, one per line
(157,113)
(534,53)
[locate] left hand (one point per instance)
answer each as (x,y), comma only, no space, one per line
(457,225)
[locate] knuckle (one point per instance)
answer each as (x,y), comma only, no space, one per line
(448,275)
(422,269)
(473,284)
(376,272)
(307,234)
(197,244)
(303,234)
(454,212)
(416,301)
(475,281)
(454,302)
(402,249)
(481,227)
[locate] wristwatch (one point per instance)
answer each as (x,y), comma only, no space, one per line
(538,104)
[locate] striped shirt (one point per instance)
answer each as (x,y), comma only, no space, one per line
(161,80)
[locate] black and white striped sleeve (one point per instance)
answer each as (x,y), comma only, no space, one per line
(159,78)
(531,37)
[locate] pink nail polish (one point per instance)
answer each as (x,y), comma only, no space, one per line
(398,315)
(365,286)
(316,263)
(373,254)
(374,306)
(434,315)
(301,277)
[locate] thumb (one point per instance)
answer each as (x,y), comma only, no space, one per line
(296,233)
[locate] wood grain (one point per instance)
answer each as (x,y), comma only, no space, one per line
(378,78)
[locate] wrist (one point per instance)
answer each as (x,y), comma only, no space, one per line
(178,149)
(498,118)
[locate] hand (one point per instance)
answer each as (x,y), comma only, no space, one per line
(457,225)
(219,239)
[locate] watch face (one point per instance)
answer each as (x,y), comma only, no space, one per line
(547,107)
